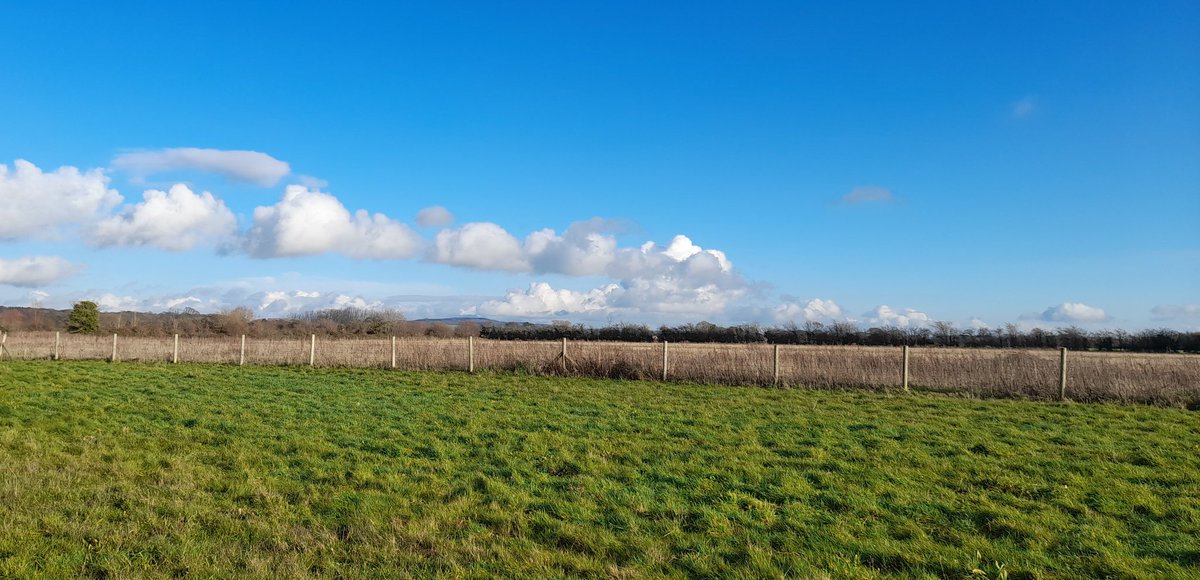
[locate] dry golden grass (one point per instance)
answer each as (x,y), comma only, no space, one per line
(1129,377)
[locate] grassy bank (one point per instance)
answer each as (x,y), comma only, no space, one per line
(159,470)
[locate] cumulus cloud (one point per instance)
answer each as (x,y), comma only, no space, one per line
(812,310)
(34,271)
(1024,108)
(264,303)
(109,302)
(680,258)
(867,194)
(1176,312)
(34,203)
(585,249)
(884,315)
(677,280)
(244,166)
(280,303)
(1074,312)
(174,220)
(481,245)
(434,217)
(679,277)
(307,222)
(541,300)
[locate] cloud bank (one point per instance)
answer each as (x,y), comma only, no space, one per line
(675,280)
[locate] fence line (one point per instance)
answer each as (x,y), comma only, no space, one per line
(1159,378)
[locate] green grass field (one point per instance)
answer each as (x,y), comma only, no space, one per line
(156,470)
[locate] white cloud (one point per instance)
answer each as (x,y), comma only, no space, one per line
(481,245)
(35,204)
(867,194)
(812,310)
(678,281)
(307,222)
(1176,312)
(680,258)
(264,303)
(282,303)
(680,278)
(541,300)
(1024,108)
(884,315)
(583,250)
(434,217)
(179,302)
(174,221)
(244,166)
(113,303)
(1074,312)
(34,271)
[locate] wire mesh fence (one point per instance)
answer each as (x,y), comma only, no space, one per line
(1172,379)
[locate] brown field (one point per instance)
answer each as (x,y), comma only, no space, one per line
(1165,379)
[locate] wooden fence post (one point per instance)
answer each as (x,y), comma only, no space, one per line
(563,357)
(664,375)
(775,380)
(56,335)
(312,352)
(1062,374)
(904,371)
(175,353)
(114,353)
(470,354)
(393,352)
(3,349)
(242,358)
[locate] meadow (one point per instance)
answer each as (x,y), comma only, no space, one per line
(159,470)
(1160,379)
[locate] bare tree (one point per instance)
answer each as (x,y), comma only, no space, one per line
(945,333)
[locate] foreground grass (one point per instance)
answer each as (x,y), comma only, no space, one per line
(157,470)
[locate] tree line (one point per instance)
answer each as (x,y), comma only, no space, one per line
(85,318)
(351,322)
(846,333)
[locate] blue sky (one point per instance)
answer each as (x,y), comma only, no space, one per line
(881,163)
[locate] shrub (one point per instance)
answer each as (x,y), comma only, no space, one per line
(84,318)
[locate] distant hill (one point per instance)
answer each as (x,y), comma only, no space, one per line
(456,320)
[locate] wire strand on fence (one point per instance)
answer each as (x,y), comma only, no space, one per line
(1158,378)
